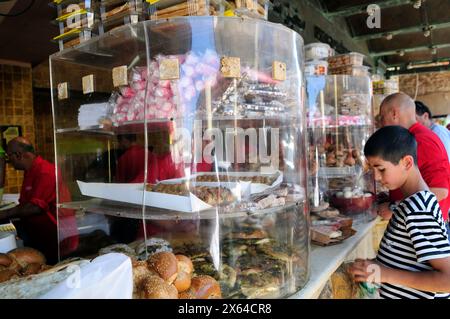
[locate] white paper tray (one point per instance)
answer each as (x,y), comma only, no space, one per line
(134,194)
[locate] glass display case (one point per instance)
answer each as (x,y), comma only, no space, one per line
(188,135)
(340,120)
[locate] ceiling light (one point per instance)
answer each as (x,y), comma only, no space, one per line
(417,4)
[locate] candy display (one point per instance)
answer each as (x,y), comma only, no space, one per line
(165,98)
(338,127)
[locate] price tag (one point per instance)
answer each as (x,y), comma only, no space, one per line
(120,76)
(169,69)
(279,71)
(63,91)
(230,67)
(88,84)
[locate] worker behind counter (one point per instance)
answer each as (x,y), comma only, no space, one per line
(161,166)
(37,204)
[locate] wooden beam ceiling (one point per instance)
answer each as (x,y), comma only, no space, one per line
(418,28)
(362,8)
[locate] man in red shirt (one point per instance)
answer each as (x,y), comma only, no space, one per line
(131,164)
(37,204)
(399,109)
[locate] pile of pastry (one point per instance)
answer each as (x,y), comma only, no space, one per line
(328,226)
(21,262)
(260,179)
(167,276)
(210,195)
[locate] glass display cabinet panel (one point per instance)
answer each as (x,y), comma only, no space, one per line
(192,141)
(340,120)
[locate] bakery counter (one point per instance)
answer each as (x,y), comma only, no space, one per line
(325,260)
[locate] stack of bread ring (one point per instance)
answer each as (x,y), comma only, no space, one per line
(168,276)
(21,262)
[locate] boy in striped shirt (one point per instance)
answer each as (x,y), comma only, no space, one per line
(414,256)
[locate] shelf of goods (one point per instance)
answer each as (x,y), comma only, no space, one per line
(164,9)
(340,120)
(80,20)
(116,13)
(186,137)
(76,21)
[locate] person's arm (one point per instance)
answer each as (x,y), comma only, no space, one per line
(441,193)
(384,211)
(22,210)
(437,280)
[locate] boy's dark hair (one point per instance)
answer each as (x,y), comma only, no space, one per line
(421,109)
(391,143)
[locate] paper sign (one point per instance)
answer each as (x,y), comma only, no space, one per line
(230,67)
(63,91)
(279,71)
(169,69)
(88,84)
(120,76)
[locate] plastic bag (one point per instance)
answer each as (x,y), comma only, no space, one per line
(106,277)
(368,291)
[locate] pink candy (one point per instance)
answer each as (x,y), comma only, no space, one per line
(165,98)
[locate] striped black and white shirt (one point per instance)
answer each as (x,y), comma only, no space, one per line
(416,234)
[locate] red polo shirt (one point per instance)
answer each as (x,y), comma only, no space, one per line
(39,188)
(432,162)
(130,166)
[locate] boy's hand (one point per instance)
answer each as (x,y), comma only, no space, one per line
(364,270)
(384,211)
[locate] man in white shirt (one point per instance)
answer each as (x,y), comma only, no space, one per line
(423,115)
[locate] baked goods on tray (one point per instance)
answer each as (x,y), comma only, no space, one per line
(260,179)
(210,195)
